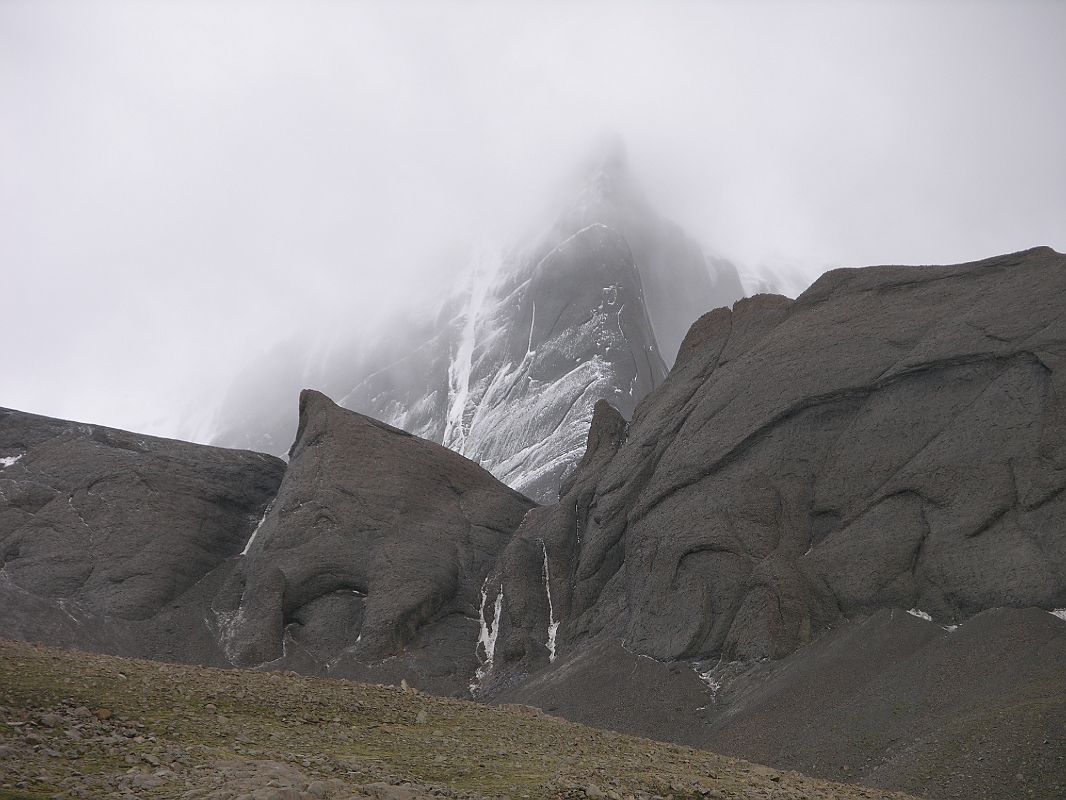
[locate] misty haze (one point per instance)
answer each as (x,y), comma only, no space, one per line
(689,371)
(191,186)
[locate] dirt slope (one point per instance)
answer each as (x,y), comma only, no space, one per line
(79,725)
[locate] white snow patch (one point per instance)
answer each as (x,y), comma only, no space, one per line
(914,612)
(708,678)
(951,628)
(7,461)
(262,519)
(1059,612)
(486,639)
(229,625)
(553,623)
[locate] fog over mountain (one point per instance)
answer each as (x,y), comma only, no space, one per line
(190,188)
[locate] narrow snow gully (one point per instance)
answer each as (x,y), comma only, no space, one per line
(532,324)
(262,519)
(462,362)
(485,649)
(553,623)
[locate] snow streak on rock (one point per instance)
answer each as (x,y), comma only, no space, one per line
(553,623)
(1059,612)
(262,519)
(461,366)
(7,461)
(486,641)
(532,323)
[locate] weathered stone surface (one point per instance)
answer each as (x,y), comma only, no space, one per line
(895,437)
(374,551)
(100,524)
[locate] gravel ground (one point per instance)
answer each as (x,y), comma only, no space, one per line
(79,725)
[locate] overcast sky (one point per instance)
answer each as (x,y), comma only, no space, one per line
(183,184)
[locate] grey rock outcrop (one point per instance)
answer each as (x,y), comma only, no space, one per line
(102,531)
(895,437)
(371,559)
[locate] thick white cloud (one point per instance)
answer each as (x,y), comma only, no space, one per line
(183,184)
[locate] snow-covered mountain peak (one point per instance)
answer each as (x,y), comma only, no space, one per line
(508,369)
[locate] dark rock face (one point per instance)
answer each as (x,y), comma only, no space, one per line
(509,370)
(896,437)
(374,551)
(104,526)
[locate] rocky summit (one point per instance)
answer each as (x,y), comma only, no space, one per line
(369,565)
(832,538)
(508,370)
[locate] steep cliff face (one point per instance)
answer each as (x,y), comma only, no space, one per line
(507,372)
(371,558)
(895,437)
